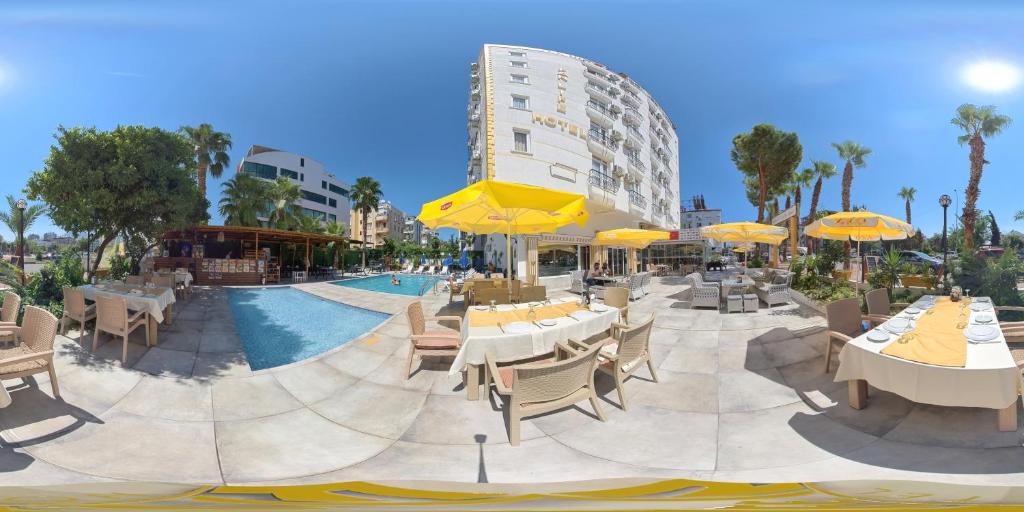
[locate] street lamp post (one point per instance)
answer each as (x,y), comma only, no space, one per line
(944,202)
(21,204)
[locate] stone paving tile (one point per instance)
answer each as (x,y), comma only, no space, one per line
(219,341)
(171,363)
(169,399)
(463,420)
(749,391)
(290,445)
(221,365)
(949,426)
(355,361)
(313,382)
(691,360)
(252,397)
(382,411)
(692,392)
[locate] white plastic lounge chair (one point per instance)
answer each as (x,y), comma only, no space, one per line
(443,271)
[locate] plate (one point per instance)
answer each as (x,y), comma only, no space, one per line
(981,333)
(898,325)
(983,299)
(480,308)
(980,306)
(548,322)
(912,311)
(598,307)
(582,315)
(518,327)
(983,318)
(878,335)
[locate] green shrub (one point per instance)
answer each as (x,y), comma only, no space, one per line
(46,288)
(120,267)
(993,278)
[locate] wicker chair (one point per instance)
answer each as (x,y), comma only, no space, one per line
(576,281)
(623,353)
(165,281)
(844,324)
(562,379)
(618,298)
(423,342)
(135,280)
(76,310)
(533,293)
(486,295)
(514,286)
(34,352)
(1010,329)
(703,295)
(645,282)
(636,290)
(879,307)
(775,291)
(9,312)
(112,317)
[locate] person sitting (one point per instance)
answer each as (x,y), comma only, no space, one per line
(490,270)
(604,269)
(395,281)
(597,270)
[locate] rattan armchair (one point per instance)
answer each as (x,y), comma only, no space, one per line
(9,312)
(879,307)
(435,342)
(76,310)
(558,381)
(486,295)
(844,323)
(703,295)
(617,297)
(533,293)
(112,317)
(33,352)
(624,352)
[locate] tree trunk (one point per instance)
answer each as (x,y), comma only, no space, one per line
(201,181)
(762,192)
(973,191)
(813,212)
(847,185)
(365,213)
(99,253)
(908,211)
(789,202)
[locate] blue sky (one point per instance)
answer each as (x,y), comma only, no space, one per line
(375,88)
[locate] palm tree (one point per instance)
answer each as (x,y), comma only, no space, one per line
(365,195)
(978,123)
(853,154)
(338,230)
(211,152)
(907,193)
(14,218)
(244,198)
(283,194)
(823,170)
(308,224)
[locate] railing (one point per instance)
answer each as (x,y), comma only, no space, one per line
(603,181)
(635,133)
(600,108)
(632,114)
(634,160)
(596,89)
(637,199)
(601,138)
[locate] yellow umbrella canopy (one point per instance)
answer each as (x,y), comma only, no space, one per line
(745,232)
(628,237)
(489,206)
(859,227)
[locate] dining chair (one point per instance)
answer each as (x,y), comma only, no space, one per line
(533,293)
(112,317)
(618,297)
(486,295)
(844,323)
(76,310)
(135,280)
(624,352)
(33,352)
(10,309)
(439,341)
(879,307)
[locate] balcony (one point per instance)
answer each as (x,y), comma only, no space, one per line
(600,114)
(474,154)
(634,138)
(600,77)
(637,201)
(601,94)
(631,116)
(475,93)
(634,164)
(601,145)
(632,99)
(604,182)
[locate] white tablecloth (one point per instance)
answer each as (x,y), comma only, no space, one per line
(990,378)
(478,341)
(183,278)
(153,301)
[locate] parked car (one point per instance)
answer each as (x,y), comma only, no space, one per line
(919,258)
(990,251)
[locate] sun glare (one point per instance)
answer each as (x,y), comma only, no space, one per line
(992,76)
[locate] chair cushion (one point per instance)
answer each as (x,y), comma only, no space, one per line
(436,340)
(505,372)
(779,279)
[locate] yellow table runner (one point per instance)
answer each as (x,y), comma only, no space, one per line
(938,336)
(520,314)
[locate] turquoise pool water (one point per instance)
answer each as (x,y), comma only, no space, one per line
(282,325)
(410,284)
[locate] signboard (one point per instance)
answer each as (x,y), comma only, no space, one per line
(784,215)
(567,239)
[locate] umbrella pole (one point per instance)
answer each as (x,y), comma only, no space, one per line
(508,258)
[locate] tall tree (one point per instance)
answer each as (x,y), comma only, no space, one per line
(853,154)
(769,156)
(977,123)
(13,218)
(337,247)
(997,235)
(365,195)
(243,199)
(211,149)
(823,170)
(131,181)
(907,193)
(284,210)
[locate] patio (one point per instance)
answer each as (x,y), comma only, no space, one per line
(742,397)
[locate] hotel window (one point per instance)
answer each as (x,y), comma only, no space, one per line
(520,79)
(332,217)
(333,203)
(517,54)
(312,196)
(267,172)
(302,162)
(289,173)
(599,165)
(522,141)
(520,102)
(518,64)
(337,190)
(323,185)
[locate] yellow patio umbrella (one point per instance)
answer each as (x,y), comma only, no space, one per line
(746,233)
(859,226)
(488,207)
(633,239)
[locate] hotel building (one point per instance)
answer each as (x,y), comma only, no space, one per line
(413,230)
(323,195)
(550,119)
(386,222)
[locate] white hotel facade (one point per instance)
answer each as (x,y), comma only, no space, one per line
(324,196)
(560,121)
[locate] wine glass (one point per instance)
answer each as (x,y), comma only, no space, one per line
(494,305)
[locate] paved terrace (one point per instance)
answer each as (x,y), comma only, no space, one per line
(741,397)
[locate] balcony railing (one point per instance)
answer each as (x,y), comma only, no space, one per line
(600,107)
(634,160)
(603,181)
(632,117)
(637,199)
(601,138)
(601,93)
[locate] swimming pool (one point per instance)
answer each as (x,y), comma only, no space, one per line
(282,325)
(411,284)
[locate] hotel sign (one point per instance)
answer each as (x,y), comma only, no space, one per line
(563,81)
(561,124)
(567,239)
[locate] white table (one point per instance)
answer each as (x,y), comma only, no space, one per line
(299,276)
(990,378)
(504,346)
(155,301)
